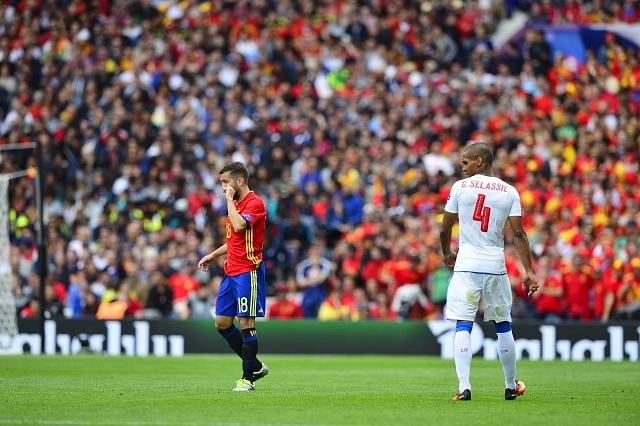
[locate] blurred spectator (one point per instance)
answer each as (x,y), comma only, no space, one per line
(183,285)
(350,117)
(160,296)
(410,302)
(283,307)
(380,309)
(32,310)
(333,308)
(577,281)
(116,303)
(200,302)
(114,309)
(128,295)
(312,276)
(550,300)
(580,11)
(53,307)
(438,286)
(403,269)
(360,305)
(538,52)
(629,294)
(294,239)
(75,302)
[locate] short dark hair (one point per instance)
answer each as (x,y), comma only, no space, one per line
(482,150)
(236,170)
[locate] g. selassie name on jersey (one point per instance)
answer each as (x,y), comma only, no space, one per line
(492,186)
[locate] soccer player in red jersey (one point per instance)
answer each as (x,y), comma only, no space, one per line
(242,292)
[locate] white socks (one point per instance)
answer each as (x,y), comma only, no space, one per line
(462,355)
(507,354)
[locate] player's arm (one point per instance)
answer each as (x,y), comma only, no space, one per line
(449,219)
(254,211)
(220,251)
(524,252)
(237,221)
(207,260)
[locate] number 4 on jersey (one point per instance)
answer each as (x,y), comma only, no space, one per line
(482,213)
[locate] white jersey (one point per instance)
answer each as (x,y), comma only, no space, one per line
(483,204)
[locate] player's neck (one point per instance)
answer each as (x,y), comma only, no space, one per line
(243,193)
(486,172)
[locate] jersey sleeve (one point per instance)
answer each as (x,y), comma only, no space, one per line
(452,201)
(254,211)
(516,208)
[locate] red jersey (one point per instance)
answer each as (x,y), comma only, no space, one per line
(548,304)
(182,286)
(609,283)
(577,285)
(285,309)
(244,248)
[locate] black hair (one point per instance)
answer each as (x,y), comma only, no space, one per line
(236,170)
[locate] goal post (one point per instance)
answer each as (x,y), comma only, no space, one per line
(8,321)
(8,311)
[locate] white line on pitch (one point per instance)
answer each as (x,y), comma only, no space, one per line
(128,423)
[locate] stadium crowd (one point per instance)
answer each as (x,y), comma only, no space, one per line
(350,117)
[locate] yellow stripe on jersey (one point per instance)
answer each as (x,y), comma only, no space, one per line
(246,244)
(254,293)
(255,259)
(248,240)
(255,297)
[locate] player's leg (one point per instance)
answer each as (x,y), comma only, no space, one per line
(260,368)
(249,353)
(463,296)
(226,309)
(497,299)
(242,285)
(251,292)
(507,353)
(462,356)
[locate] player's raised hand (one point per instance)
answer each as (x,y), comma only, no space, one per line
(229,193)
(205,262)
(450,259)
(530,284)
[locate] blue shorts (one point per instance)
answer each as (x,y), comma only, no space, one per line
(243,295)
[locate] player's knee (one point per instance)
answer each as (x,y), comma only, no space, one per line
(223,323)
(247,322)
(503,327)
(464,326)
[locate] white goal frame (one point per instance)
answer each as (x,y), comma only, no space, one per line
(7,300)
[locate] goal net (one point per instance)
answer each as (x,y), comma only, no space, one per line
(8,321)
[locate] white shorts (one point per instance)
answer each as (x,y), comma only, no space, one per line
(467,289)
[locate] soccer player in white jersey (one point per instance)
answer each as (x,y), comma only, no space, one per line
(483,204)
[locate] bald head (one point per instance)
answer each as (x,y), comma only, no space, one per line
(481,150)
(477,158)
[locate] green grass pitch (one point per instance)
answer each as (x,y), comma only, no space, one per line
(313,390)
